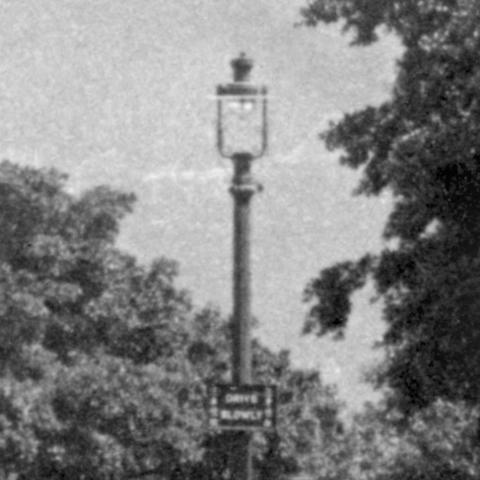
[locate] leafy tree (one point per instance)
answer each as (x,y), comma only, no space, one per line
(422,146)
(441,441)
(104,362)
(380,443)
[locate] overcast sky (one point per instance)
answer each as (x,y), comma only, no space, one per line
(122,93)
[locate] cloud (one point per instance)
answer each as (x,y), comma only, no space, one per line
(331,370)
(300,152)
(175,173)
(188,175)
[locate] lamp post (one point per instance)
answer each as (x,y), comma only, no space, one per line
(242,137)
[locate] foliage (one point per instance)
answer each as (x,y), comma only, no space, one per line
(422,146)
(104,362)
(380,443)
(439,442)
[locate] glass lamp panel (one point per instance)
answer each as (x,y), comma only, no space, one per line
(242,124)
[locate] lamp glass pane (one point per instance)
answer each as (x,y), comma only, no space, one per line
(242,124)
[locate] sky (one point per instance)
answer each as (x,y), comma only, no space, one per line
(122,93)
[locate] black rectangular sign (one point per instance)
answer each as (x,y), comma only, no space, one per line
(242,407)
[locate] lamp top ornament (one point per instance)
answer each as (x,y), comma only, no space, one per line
(241,68)
(241,86)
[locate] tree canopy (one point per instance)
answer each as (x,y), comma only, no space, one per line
(104,362)
(438,442)
(422,146)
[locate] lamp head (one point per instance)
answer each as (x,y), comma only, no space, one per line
(242,113)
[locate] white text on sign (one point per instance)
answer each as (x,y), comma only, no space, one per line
(241,415)
(241,398)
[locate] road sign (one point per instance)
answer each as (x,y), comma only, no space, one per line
(242,407)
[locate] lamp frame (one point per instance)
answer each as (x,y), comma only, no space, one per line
(240,90)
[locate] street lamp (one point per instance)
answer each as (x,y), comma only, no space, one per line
(242,137)
(242,114)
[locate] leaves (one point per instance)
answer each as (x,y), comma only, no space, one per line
(333,289)
(438,442)
(421,146)
(105,362)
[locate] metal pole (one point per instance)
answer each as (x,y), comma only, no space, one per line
(242,190)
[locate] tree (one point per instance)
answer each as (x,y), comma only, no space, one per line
(441,441)
(422,146)
(104,362)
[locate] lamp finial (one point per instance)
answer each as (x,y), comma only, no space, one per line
(241,68)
